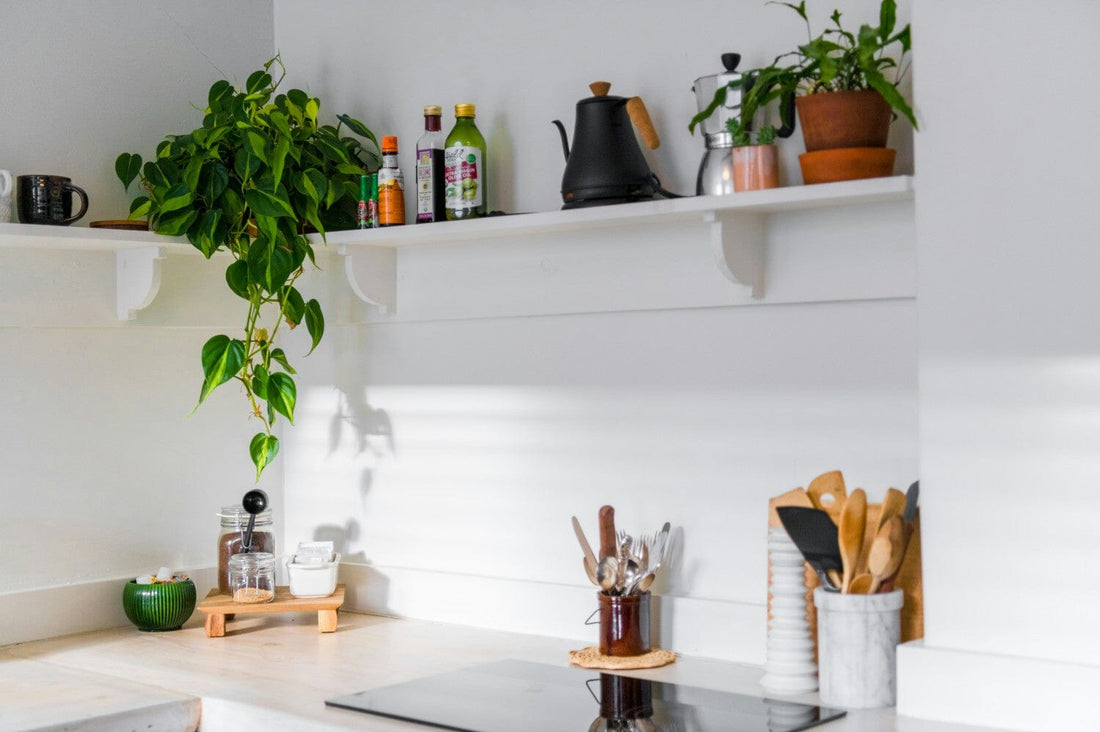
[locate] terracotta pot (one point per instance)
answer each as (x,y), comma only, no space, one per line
(843,119)
(755,167)
(852,163)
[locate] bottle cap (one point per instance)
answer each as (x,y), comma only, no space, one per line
(389,144)
(433,109)
(464,110)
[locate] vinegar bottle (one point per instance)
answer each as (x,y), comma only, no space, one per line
(430,185)
(464,160)
(391,186)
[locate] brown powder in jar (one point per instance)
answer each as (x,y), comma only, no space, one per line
(231,543)
(252,595)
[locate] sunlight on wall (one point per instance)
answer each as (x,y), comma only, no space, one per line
(483,480)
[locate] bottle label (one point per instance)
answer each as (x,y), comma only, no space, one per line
(363,215)
(464,176)
(424,209)
(391,197)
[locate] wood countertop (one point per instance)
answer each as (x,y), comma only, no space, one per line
(277,670)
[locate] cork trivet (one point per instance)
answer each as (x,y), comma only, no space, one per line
(591,657)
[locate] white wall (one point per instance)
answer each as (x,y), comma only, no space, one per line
(1009,366)
(104,475)
(447,449)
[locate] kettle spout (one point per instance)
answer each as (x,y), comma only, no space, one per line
(564,138)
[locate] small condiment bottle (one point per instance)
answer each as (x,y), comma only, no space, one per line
(252,577)
(391,186)
(363,211)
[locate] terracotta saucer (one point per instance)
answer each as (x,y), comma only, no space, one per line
(846,163)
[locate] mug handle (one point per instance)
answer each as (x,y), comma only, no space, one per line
(83,202)
(5,183)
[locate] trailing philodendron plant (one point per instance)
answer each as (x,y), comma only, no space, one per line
(259,171)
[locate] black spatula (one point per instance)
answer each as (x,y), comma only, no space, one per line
(815,535)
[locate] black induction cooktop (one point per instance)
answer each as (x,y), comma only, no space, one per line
(506,696)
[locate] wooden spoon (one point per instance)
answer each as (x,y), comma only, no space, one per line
(892,505)
(861,584)
(827,492)
(853,522)
(887,551)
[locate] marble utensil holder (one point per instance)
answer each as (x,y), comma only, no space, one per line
(857,639)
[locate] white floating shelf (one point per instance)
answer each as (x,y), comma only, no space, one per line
(737,229)
(737,222)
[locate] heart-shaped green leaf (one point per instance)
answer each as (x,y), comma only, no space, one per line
(263,449)
(315,323)
(282,394)
(222,358)
(127,167)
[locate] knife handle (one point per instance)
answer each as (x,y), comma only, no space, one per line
(609,545)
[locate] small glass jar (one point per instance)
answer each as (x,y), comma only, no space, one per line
(234,523)
(252,577)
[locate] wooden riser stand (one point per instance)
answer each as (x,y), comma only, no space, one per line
(219,607)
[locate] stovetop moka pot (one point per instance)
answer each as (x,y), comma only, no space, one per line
(606,165)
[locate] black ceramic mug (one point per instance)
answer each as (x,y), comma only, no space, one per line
(48,199)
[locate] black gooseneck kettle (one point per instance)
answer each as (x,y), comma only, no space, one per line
(606,165)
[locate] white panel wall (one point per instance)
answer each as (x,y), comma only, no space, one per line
(104,477)
(1009,366)
(448,455)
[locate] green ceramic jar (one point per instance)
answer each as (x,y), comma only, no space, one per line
(161,606)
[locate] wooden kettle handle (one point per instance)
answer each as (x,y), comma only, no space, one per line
(639,115)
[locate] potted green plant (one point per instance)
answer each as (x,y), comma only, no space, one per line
(250,181)
(755,154)
(846,100)
(841,89)
(755,158)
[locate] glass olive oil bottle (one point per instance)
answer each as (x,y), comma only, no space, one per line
(464,168)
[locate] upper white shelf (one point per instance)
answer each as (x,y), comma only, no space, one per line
(737,229)
(737,235)
(790,198)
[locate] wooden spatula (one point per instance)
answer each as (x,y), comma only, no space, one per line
(828,493)
(853,522)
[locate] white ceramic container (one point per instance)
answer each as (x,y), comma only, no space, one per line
(314,579)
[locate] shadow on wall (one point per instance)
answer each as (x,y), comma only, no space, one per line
(341,536)
(369,433)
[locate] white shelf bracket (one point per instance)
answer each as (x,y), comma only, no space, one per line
(137,279)
(738,240)
(372,274)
